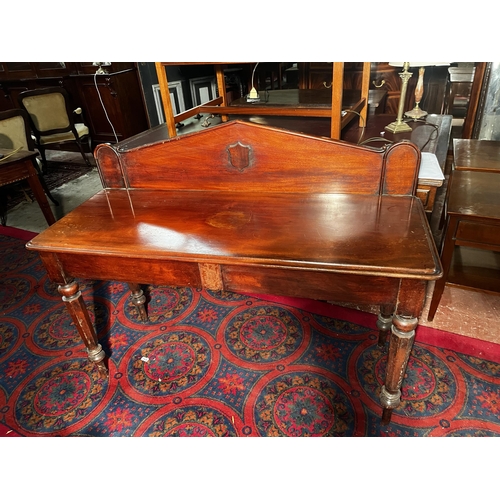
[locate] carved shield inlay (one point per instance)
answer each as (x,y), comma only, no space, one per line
(239,156)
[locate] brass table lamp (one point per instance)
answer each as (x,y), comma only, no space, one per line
(399,125)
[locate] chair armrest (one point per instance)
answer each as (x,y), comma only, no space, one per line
(79,115)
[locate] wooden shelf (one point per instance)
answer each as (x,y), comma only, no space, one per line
(475,269)
(327,103)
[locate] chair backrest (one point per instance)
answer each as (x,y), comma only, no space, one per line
(15,130)
(49,110)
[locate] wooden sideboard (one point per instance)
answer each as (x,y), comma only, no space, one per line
(431,136)
(119,89)
(273,212)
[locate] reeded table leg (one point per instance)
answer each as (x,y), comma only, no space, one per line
(138,299)
(400,345)
(72,297)
(384,323)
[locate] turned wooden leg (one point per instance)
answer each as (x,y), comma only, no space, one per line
(138,299)
(384,323)
(400,344)
(73,299)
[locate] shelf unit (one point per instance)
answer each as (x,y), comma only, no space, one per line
(332,109)
(470,252)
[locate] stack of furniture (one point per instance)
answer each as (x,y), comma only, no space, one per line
(432,136)
(470,252)
(18,161)
(284,102)
(113,95)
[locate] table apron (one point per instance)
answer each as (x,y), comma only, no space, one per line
(479,233)
(318,285)
(313,284)
(15,172)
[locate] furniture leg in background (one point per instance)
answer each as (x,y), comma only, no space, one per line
(138,299)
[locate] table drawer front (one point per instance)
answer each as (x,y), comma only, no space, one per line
(150,271)
(428,196)
(479,233)
(311,284)
(423,194)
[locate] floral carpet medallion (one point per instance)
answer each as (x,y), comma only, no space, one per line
(169,363)
(263,334)
(59,396)
(302,404)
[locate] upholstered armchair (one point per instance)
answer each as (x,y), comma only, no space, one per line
(52,120)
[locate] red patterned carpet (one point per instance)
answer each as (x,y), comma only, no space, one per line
(222,364)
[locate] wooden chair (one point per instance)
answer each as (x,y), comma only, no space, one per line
(15,134)
(52,120)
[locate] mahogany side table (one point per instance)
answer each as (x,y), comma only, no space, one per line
(471,243)
(18,167)
(477,155)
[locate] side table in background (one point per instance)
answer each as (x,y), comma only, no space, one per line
(18,167)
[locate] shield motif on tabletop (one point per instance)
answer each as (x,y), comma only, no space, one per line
(239,156)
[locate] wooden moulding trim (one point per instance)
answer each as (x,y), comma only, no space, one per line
(401,165)
(108,163)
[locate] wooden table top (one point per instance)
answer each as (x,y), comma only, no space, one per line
(20,155)
(474,193)
(308,98)
(474,154)
(362,234)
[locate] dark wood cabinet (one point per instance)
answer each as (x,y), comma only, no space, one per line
(383,76)
(318,75)
(112,103)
